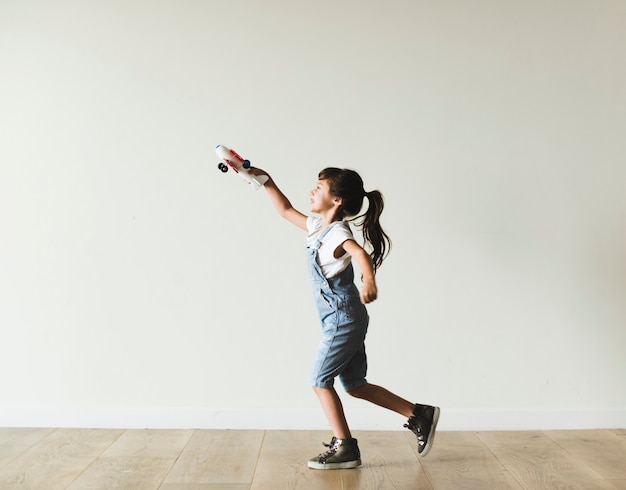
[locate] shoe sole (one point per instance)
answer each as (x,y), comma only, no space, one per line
(335,466)
(431,435)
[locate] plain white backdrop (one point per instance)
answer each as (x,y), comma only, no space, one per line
(141,287)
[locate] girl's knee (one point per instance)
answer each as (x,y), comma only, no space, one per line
(320,389)
(358,392)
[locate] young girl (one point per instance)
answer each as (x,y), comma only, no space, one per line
(338,195)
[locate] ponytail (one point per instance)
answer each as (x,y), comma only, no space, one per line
(373,233)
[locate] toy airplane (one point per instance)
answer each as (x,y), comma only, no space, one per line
(233,160)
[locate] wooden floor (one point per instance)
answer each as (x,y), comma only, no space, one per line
(235,460)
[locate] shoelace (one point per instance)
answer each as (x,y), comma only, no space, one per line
(332,446)
(417,430)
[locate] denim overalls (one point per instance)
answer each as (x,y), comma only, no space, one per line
(341,351)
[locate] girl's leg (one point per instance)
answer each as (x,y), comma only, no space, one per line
(383,398)
(422,418)
(333,408)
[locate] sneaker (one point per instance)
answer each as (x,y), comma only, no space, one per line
(341,454)
(423,424)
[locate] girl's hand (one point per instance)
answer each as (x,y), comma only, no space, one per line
(369,292)
(258,171)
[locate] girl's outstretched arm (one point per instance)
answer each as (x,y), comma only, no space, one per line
(280,201)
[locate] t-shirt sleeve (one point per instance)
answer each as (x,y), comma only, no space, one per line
(313,223)
(337,236)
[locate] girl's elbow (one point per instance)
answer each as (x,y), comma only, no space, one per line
(284,212)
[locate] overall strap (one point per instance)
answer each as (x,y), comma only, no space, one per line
(325,231)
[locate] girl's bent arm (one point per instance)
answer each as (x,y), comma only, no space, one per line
(369,291)
(281,203)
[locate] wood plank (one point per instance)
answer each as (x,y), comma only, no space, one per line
(461,460)
(389,462)
(537,461)
(218,457)
(137,459)
(123,473)
(14,441)
(149,443)
(58,459)
(601,450)
(204,486)
(283,462)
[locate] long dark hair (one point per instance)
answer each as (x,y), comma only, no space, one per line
(348,185)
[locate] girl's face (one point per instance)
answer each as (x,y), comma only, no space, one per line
(321,199)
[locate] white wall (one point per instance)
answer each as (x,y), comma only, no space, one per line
(140,287)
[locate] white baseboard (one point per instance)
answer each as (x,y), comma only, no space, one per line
(371,418)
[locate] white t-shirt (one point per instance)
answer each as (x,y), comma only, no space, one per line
(339,233)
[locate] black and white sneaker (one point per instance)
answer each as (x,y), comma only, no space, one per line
(423,424)
(341,454)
